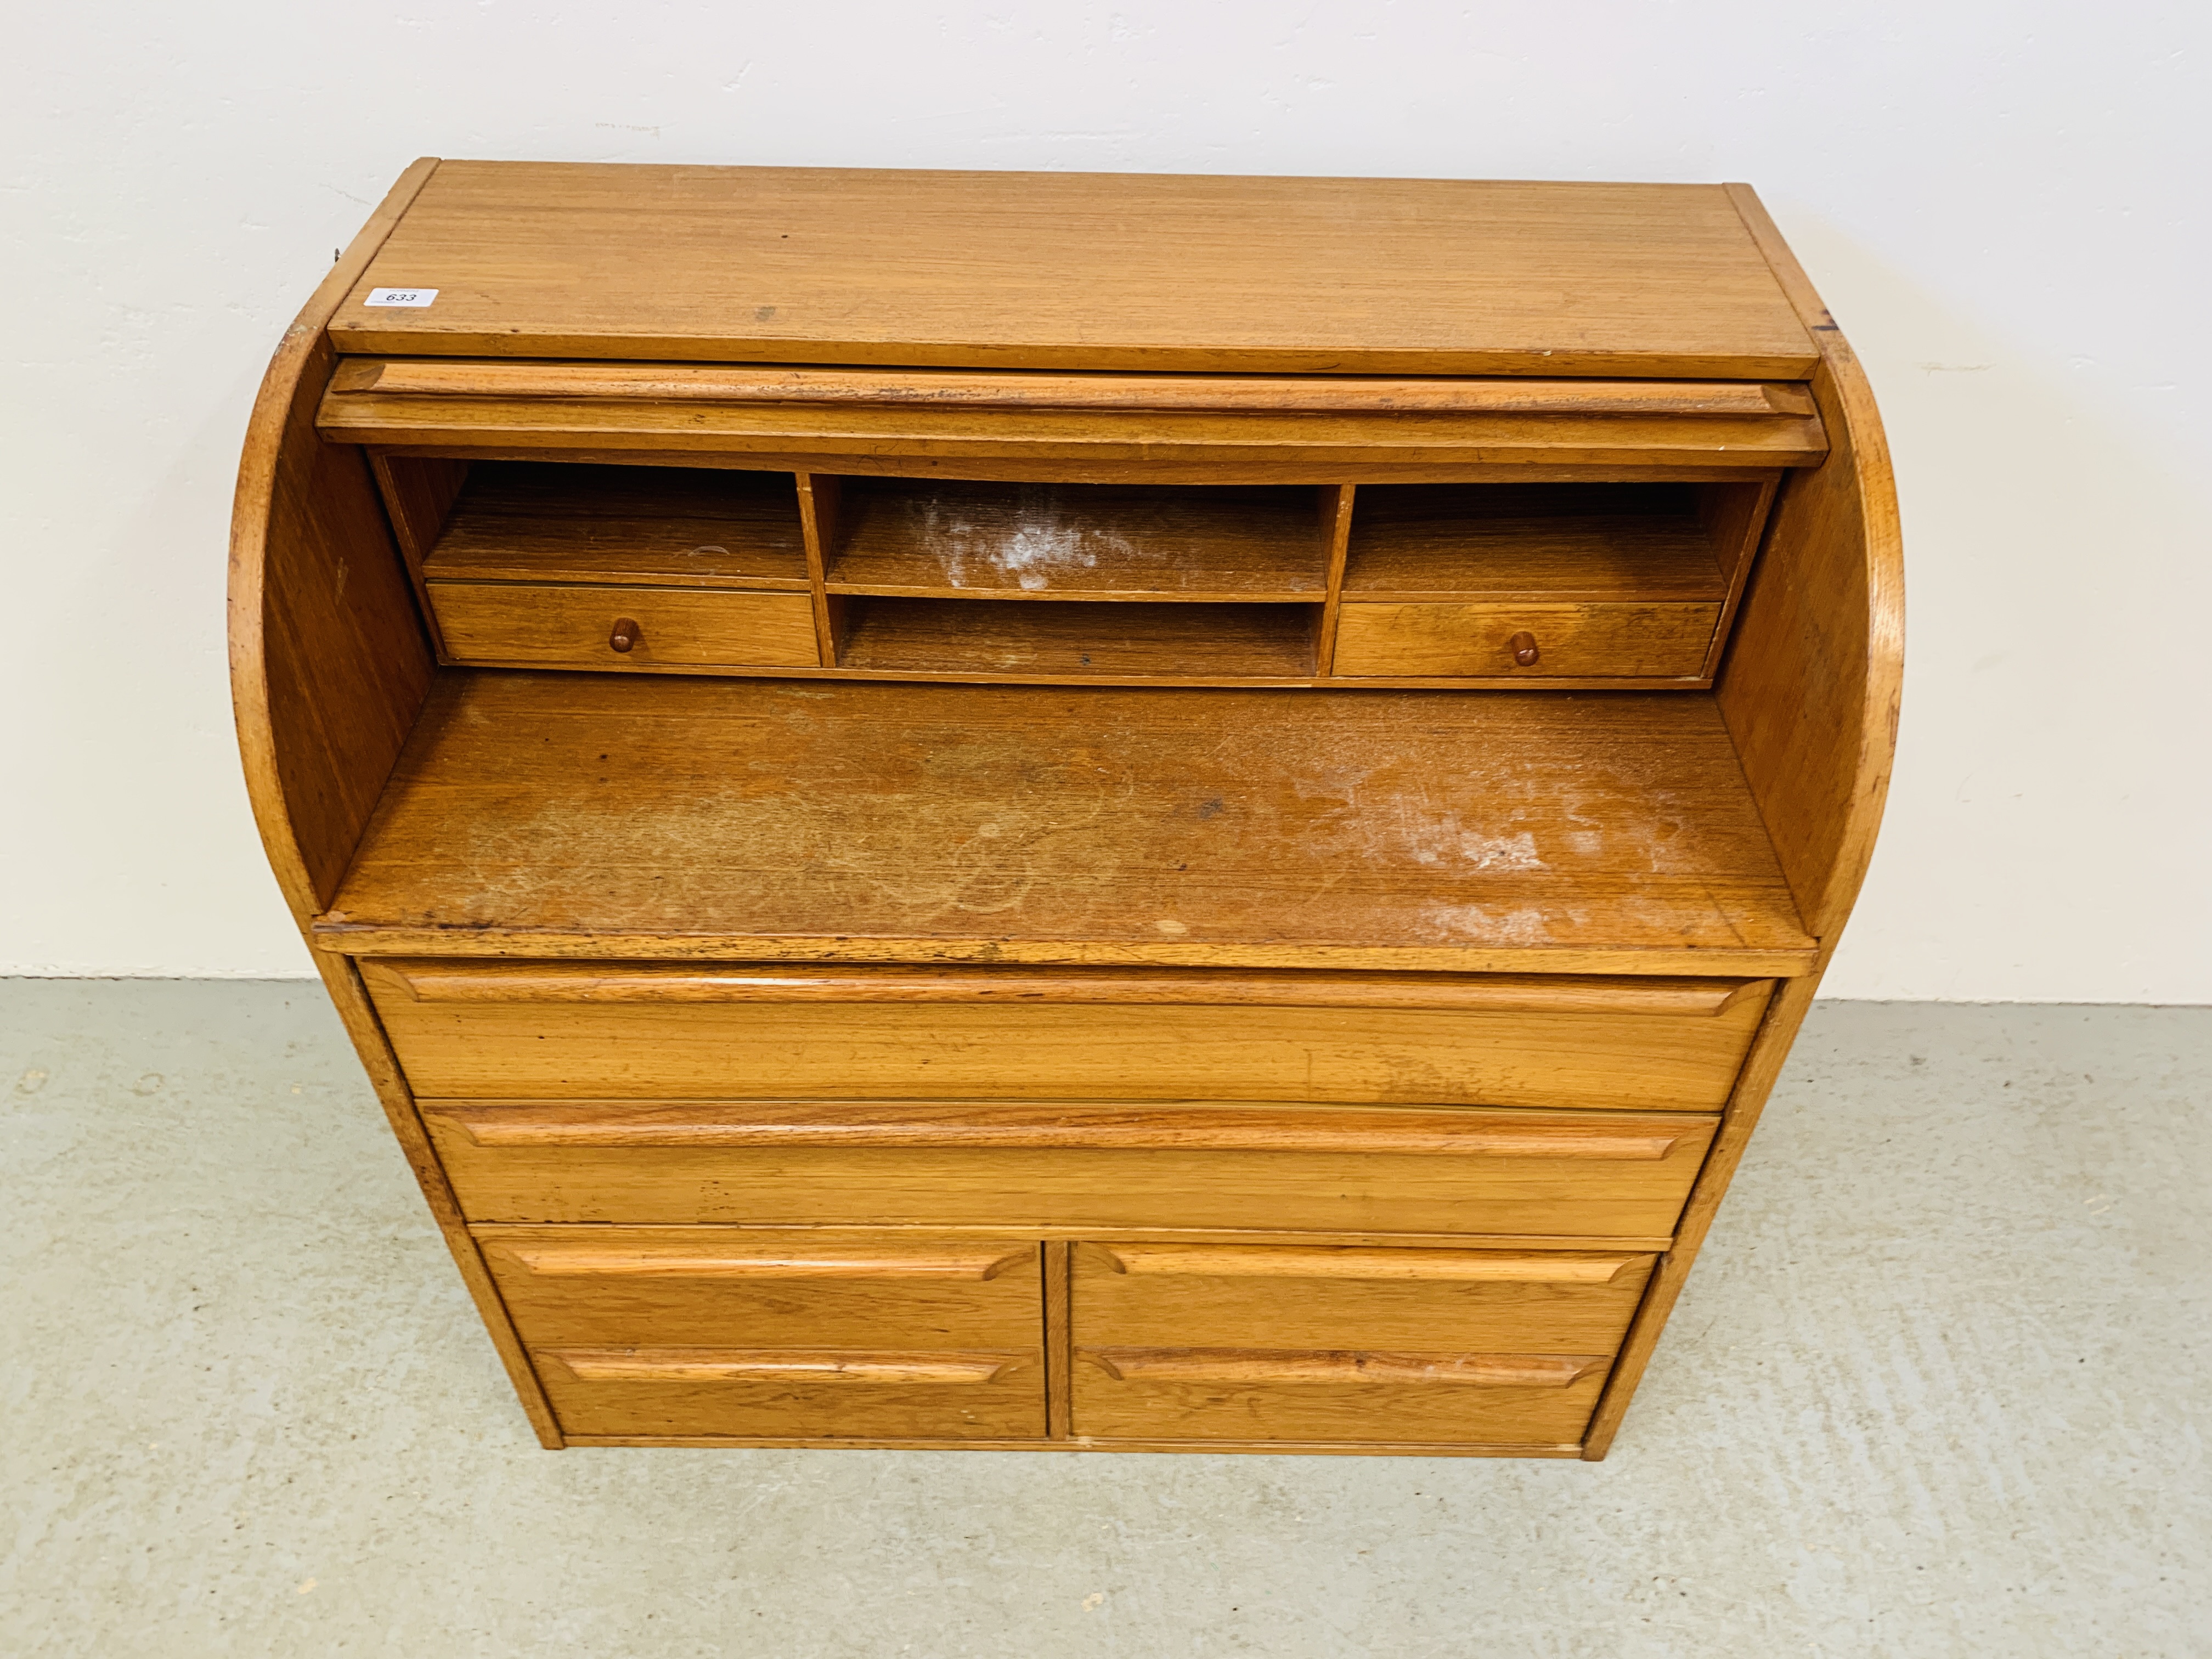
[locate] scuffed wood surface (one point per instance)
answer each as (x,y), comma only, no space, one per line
(850,816)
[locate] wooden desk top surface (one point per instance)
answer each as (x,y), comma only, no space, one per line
(1104,272)
(613,815)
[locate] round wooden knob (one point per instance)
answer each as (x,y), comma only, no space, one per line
(1523,647)
(626,636)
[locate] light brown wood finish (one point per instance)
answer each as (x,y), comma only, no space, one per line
(1597,541)
(1098,542)
(418,494)
(537,625)
(1337,505)
(751,1257)
(1154,468)
(329,665)
(1530,1174)
(1576,640)
(1265,1365)
(1057,1353)
(1068,852)
(1811,686)
(1823,626)
(813,1331)
(1039,270)
(328,660)
(821,517)
(777,1365)
(447,981)
(1288,1347)
(1211,1447)
(781,384)
(1344,1262)
(1274,1127)
(1511,832)
(1061,640)
(1735,517)
(1061,1051)
(1354,446)
(664,526)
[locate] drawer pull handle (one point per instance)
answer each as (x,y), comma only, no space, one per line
(1298,1261)
(626,635)
(588,1261)
(1076,1125)
(778,1365)
(1523,647)
(1495,1371)
(586,981)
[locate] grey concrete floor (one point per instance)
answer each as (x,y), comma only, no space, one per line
(1936,1388)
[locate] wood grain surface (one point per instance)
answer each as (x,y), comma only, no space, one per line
(1304,1354)
(543,814)
(329,660)
(544,625)
(1815,674)
(1080,271)
(1576,641)
(1545,1186)
(1071,1125)
(1061,1051)
(1598,541)
(1276,445)
(1050,639)
(1098,541)
(447,981)
(669,527)
(1027,389)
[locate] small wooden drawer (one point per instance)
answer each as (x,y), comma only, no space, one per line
(548,625)
(1569,641)
(582,1031)
(1231,1342)
(670,1331)
(1071,1165)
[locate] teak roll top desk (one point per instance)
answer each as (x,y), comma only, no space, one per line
(1015,810)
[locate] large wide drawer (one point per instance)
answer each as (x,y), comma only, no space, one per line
(645,1332)
(567,1031)
(1344,1345)
(1072,1165)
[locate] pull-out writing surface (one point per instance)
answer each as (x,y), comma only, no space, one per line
(1410,831)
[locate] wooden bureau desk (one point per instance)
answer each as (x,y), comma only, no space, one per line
(1015,810)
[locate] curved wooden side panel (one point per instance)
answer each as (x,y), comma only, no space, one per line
(329,668)
(329,662)
(1810,693)
(1811,686)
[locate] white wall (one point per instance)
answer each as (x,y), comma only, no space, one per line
(2003,201)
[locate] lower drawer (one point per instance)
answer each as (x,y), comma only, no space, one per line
(1480,641)
(816,1335)
(1071,1165)
(1344,1345)
(552,626)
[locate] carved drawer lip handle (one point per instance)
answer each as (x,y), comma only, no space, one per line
(780,1366)
(593,1261)
(1660,996)
(1070,1126)
(1288,1366)
(1356,1261)
(1141,392)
